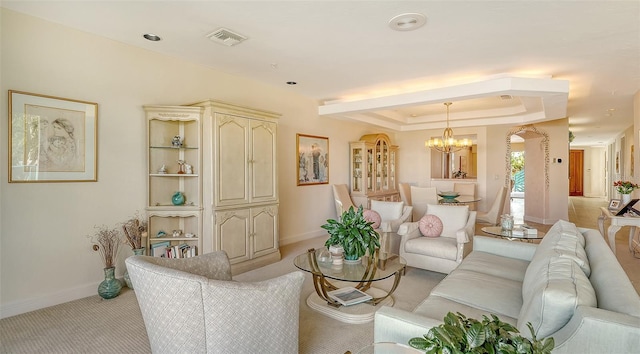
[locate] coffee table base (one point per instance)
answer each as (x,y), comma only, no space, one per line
(356,314)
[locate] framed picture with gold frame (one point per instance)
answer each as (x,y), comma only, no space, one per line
(313,159)
(52,139)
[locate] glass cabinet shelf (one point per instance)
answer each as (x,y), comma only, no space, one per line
(173,175)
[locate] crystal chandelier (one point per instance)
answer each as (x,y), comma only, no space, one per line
(447,143)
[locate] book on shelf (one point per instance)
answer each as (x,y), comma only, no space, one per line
(349,296)
(166,250)
(159,249)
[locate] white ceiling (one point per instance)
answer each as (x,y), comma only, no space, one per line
(344,54)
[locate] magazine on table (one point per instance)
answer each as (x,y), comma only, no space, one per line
(349,296)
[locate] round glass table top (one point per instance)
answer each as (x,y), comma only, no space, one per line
(350,271)
(497,231)
(461,199)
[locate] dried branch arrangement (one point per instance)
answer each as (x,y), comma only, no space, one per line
(134,230)
(107,242)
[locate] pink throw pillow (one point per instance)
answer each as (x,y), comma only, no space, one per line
(430,225)
(372,216)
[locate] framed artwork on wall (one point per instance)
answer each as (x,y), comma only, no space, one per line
(52,139)
(313,159)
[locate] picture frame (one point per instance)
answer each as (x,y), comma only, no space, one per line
(614,204)
(312,159)
(52,139)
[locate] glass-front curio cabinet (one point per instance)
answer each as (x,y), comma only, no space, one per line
(373,169)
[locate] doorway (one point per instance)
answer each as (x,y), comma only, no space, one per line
(536,181)
(576,174)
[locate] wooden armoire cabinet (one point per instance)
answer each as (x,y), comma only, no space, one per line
(240,184)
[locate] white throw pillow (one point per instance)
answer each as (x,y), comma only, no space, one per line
(552,294)
(453,218)
(388,210)
(564,240)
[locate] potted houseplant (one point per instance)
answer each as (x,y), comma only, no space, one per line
(625,188)
(459,334)
(353,232)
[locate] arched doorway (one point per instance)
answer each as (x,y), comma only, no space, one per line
(536,184)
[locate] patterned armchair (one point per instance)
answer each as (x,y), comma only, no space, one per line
(191,305)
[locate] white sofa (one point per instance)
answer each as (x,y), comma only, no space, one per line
(570,287)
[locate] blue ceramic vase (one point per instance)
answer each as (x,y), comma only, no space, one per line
(127,279)
(178,198)
(110,286)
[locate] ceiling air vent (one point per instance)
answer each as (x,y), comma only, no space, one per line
(226,37)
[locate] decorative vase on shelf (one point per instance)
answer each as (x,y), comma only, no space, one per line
(110,286)
(626,198)
(127,280)
(178,198)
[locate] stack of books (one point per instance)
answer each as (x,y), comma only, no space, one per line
(524,231)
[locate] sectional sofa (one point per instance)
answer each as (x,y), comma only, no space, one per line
(570,287)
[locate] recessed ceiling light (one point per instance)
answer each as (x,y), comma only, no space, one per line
(151,37)
(407,21)
(291,83)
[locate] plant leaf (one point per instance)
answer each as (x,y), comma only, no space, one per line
(475,335)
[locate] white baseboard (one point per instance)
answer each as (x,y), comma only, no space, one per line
(302,237)
(28,305)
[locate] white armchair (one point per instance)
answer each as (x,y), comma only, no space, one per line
(191,305)
(442,253)
(392,215)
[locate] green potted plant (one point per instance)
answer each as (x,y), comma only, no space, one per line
(459,334)
(353,232)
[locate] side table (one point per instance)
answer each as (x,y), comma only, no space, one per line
(617,222)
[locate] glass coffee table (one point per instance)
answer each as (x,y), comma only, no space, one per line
(497,231)
(360,275)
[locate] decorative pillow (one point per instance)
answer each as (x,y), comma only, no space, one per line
(453,218)
(550,295)
(372,216)
(388,210)
(430,225)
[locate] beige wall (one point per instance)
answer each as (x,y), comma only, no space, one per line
(45,256)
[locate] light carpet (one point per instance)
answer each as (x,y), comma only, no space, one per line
(94,325)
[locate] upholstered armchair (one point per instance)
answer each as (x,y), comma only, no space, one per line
(191,305)
(420,198)
(440,239)
(392,215)
(342,199)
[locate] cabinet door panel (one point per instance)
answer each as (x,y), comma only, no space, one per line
(232,228)
(231,161)
(265,230)
(263,157)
